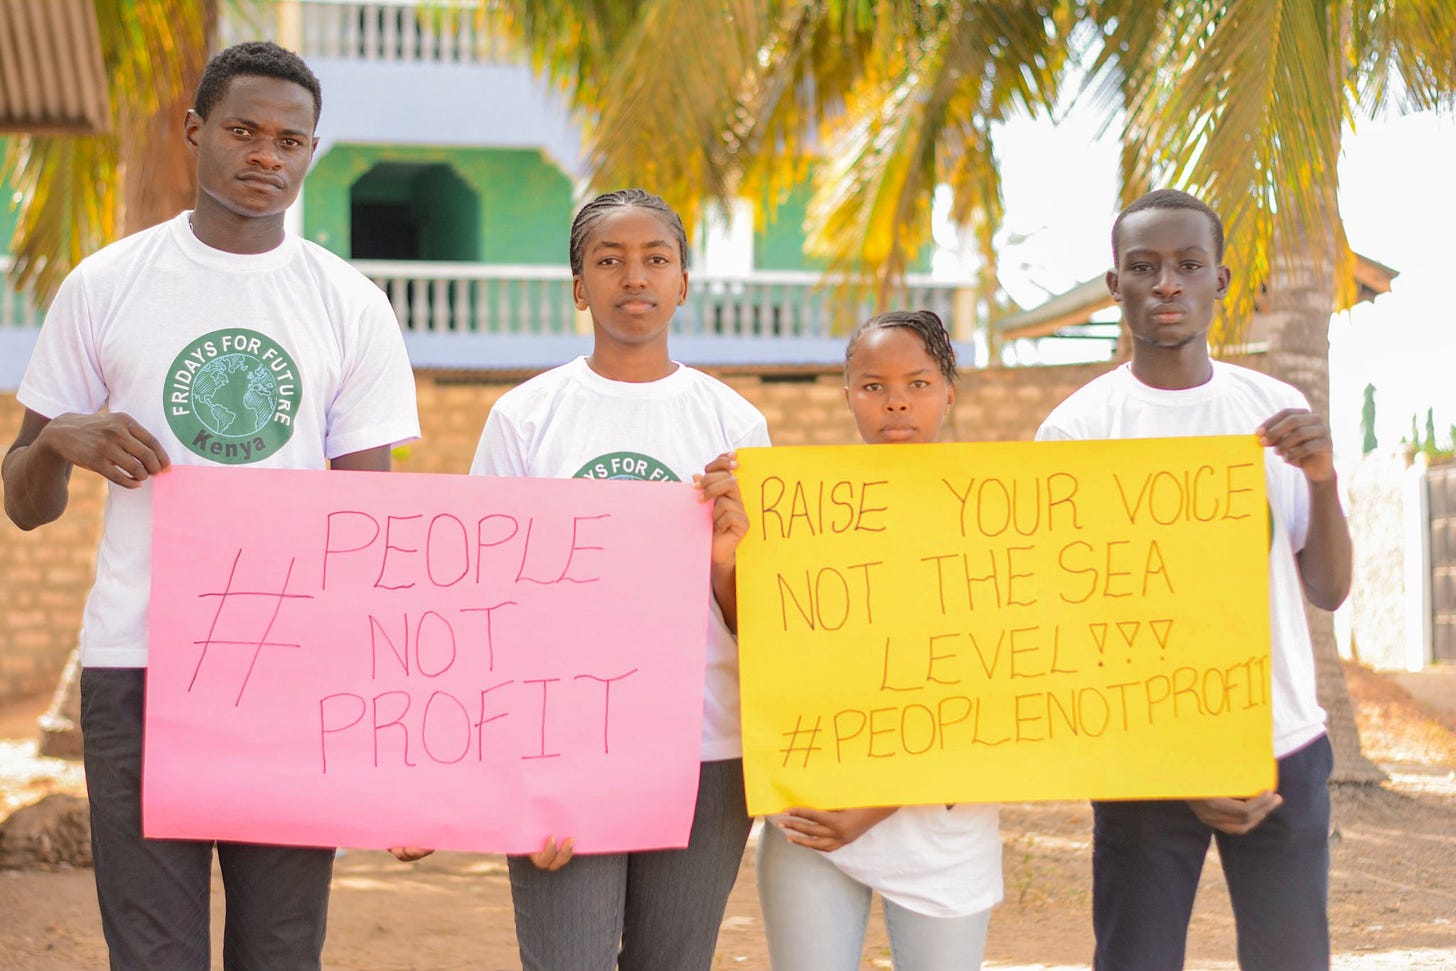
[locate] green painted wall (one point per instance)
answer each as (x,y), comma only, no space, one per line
(778,243)
(7,200)
(501,205)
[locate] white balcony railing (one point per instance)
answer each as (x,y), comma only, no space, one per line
(434,31)
(528,317)
(443,298)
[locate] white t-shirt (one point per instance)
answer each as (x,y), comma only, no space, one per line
(573,423)
(283,359)
(929,859)
(1235,401)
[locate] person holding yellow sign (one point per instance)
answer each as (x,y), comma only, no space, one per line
(937,868)
(1167,252)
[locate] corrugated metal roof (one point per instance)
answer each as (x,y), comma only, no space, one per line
(1076,306)
(51,76)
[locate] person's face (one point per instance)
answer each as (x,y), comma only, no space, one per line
(895,389)
(255,146)
(1167,277)
(632,278)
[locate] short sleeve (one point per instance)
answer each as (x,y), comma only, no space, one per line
(375,402)
(499,451)
(64,373)
(756,436)
(1047,432)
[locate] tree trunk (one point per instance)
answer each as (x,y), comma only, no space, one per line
(158,172)
(1301,300)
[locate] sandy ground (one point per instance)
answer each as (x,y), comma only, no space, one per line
(1393,884)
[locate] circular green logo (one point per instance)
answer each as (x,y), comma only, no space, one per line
(626,465)
(231,396)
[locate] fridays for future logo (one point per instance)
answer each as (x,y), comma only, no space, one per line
(231,396)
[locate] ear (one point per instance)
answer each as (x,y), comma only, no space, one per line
(191,126)
(1224,276)
(682,295)
(949,397)
(1111,279)
(578,294)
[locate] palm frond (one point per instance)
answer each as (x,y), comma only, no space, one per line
(70,186)
(927,122)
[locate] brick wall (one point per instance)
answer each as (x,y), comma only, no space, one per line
(44,574)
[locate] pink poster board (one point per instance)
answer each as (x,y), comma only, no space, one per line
(472,663)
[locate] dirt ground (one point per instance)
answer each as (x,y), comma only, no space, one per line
(1392,901)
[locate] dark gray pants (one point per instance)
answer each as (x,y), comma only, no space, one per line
(661,909)
(154,893)
(1147,858)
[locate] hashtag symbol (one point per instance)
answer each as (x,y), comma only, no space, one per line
(257,644)
(808,748)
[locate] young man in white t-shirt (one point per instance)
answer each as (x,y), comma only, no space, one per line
(210,339)
(1147,855)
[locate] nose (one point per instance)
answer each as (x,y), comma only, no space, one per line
(635,277)
(896,401)
(264,154)
(1167,282)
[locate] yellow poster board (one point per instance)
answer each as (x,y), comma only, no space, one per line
(1004,622)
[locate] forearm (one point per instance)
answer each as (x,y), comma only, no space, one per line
(37,486)
(725,591)
(1325,563)
(369,460)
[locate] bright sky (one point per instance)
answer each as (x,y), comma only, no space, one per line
(1398,198)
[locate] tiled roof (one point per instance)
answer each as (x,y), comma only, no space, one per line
(51,75)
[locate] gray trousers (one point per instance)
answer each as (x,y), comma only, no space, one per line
(656,910)
(154,893)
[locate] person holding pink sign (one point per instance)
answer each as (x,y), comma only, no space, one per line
(212,339)
(937,868)
(628,411)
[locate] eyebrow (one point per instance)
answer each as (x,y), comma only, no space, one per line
(653,244)
(1195,248)
(876,374)
(250,123)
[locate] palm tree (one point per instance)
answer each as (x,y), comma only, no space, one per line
(1241,101)
(81,192)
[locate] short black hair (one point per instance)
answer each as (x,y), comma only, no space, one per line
(925,324)
(1170,199)
(254,58)
(600,207)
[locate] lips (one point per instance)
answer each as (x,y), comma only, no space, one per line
(897,432)
(1168,314)
(271,181)
(636,304)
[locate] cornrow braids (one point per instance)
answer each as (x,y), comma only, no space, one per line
(256,58)
(1170,199)
(608,202)
(925,324)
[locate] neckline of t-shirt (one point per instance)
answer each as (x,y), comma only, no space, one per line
(661,388)
(209,256)
(1176,396)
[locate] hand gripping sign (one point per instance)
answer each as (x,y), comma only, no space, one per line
(346,658)
(1018,621)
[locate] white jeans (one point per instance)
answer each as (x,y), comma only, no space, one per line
(814,917)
